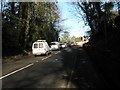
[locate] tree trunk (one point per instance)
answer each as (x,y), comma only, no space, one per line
(27,24)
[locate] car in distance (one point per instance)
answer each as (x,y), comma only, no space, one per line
(70,44)
(64,45)
(40,47)
(55,45)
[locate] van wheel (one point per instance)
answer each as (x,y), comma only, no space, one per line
(47,53)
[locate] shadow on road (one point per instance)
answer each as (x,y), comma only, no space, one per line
(73,67)
(38,78)
(80,71)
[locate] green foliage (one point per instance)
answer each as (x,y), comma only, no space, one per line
(104,23)
(25,22)
(99,16)
(65,37)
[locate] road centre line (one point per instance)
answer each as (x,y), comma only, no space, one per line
(57,52)
(46,57)
(50,56)
(21,69)
(16,71)
(43,59)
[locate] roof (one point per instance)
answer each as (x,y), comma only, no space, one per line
(41,40)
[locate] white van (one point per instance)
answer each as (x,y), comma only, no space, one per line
(40,47)
(55,45)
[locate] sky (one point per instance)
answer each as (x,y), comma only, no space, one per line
(74,25)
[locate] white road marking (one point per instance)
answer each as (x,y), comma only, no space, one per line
(22,68)
(57,52)
(56,59)
(50,56)
(46,57)
(16,71)
(43,59)
(71,74)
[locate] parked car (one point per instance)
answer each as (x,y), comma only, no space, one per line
(64,45)
(40,47)
(70,44)
(55,45)
(61,45)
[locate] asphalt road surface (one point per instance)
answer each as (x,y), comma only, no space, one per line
(66,68)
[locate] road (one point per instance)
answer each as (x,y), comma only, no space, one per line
(67,68)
